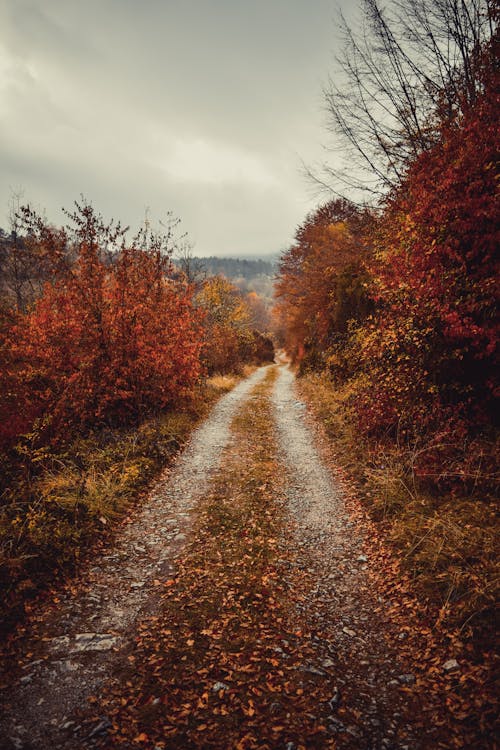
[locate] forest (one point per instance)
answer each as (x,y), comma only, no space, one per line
(100,336)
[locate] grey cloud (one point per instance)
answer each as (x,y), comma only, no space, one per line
(204,107)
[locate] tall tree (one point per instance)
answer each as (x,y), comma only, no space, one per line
(413,65)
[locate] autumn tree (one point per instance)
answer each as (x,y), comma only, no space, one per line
(412,66)
(111,339)
(192,268)
(231,338)
(31,253)
(421,357)
(415,330)
(435,337)
(321,284)
(258,312)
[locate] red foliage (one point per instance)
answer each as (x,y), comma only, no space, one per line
(330,242)
(109,341)
(436,278)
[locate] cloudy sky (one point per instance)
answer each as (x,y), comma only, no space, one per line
(201,107)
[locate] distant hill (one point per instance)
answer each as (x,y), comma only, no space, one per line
(234,268)
(250,275)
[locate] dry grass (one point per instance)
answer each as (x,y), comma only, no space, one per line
(447,542)
(56,507)
(222,383)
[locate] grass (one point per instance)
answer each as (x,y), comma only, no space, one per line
(446,541)
(57,506)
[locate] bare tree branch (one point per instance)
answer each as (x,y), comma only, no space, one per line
(410,67)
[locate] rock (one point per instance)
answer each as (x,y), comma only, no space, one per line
(95,642)
(179,537)
(137,585)
(334,701)
(362,558)
(219,686)
(451,665)
(310,669)
(61,643)
(26,679)
(348,631)
(327,663)
(407,679)
(33,663)
(352,730)
(100,728)
(334,725)
(68,666)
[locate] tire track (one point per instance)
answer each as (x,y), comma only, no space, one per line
(342,604)
(72,650)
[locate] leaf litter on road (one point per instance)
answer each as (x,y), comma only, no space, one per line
(227,664)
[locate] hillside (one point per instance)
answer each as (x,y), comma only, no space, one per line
(255,275)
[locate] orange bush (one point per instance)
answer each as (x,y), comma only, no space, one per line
(110,340)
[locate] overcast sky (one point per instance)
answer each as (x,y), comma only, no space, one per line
(201,107)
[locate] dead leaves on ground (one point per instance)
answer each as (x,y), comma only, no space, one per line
(463,703)
(222,666)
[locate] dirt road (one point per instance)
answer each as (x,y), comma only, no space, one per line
(78,649)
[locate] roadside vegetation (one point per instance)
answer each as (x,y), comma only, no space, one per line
(59,504)
(110,355)
(388,306)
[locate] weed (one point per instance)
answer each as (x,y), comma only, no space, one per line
(444,537)
(56,506)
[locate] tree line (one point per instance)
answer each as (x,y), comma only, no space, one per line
(98,328)
(397,295)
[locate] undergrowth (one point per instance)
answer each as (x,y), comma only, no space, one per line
(445,538)
(55,506)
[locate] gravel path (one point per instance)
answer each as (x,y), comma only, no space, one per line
(91,632)
(356,637)
(91,629)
